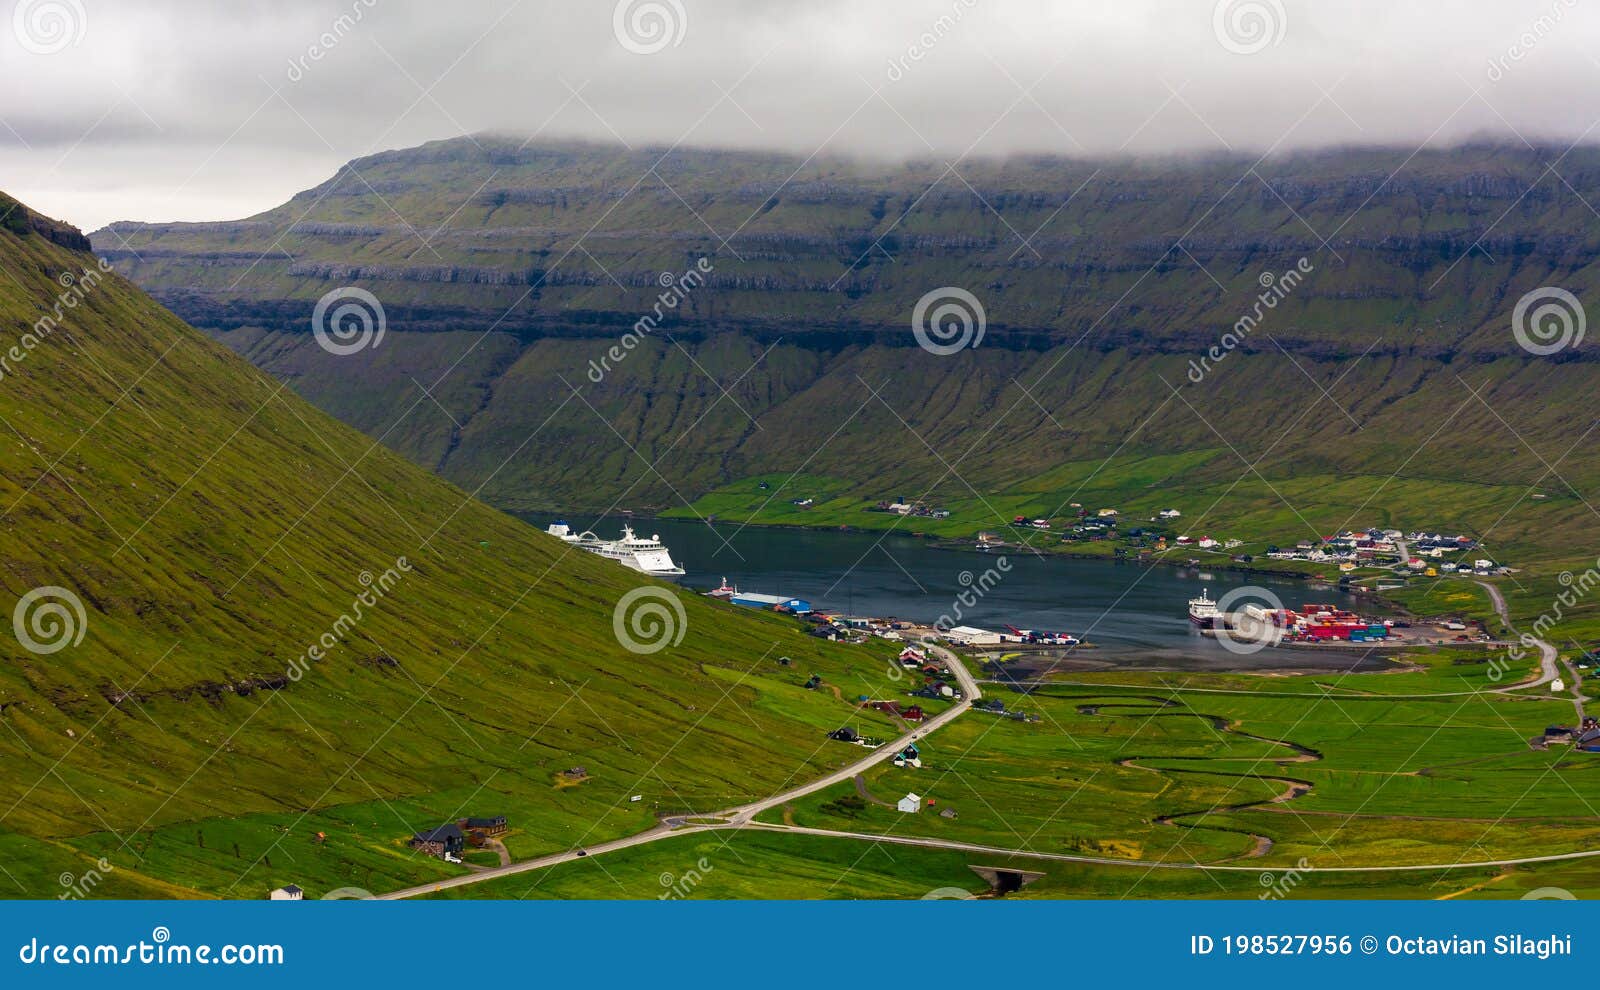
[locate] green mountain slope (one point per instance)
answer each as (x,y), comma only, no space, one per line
(1387,386)
(213,690)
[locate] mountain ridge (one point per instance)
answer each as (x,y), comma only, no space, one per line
(506,271)
(240,625)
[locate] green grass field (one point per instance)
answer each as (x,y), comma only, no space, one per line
(214,528)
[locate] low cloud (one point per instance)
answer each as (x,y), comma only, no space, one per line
(152,109)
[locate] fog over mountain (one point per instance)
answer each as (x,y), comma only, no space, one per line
(168,110)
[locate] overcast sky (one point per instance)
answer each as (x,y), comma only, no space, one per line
(191,110)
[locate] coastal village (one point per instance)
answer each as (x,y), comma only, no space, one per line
(1373,550)
(922,685)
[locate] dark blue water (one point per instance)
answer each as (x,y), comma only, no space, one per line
(1133,614)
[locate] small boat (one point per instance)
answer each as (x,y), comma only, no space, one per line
(723,590)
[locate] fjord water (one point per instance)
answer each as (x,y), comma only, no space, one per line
(1133,614)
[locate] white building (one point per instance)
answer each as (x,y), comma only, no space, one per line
(289,893)
(911,804)
(972,636)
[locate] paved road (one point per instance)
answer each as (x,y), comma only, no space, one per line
(907,840)
(970,692)
(1549,657)
(741,816)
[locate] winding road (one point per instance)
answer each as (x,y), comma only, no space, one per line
(1549,657)
(738,817)
(743,816)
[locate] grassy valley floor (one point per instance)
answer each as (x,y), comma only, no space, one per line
(1175,786)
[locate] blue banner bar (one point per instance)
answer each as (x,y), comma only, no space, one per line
(776,944)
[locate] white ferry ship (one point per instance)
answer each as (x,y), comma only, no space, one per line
(648,556)
(1203,612)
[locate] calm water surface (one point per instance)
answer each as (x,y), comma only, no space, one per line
(1135,615)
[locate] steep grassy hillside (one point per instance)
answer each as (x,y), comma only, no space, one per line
(1387,386)
(211,691)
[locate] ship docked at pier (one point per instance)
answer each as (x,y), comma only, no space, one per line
(1203,612)
(645,555)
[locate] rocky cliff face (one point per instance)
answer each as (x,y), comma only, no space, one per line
(1373,282)
(20,220)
